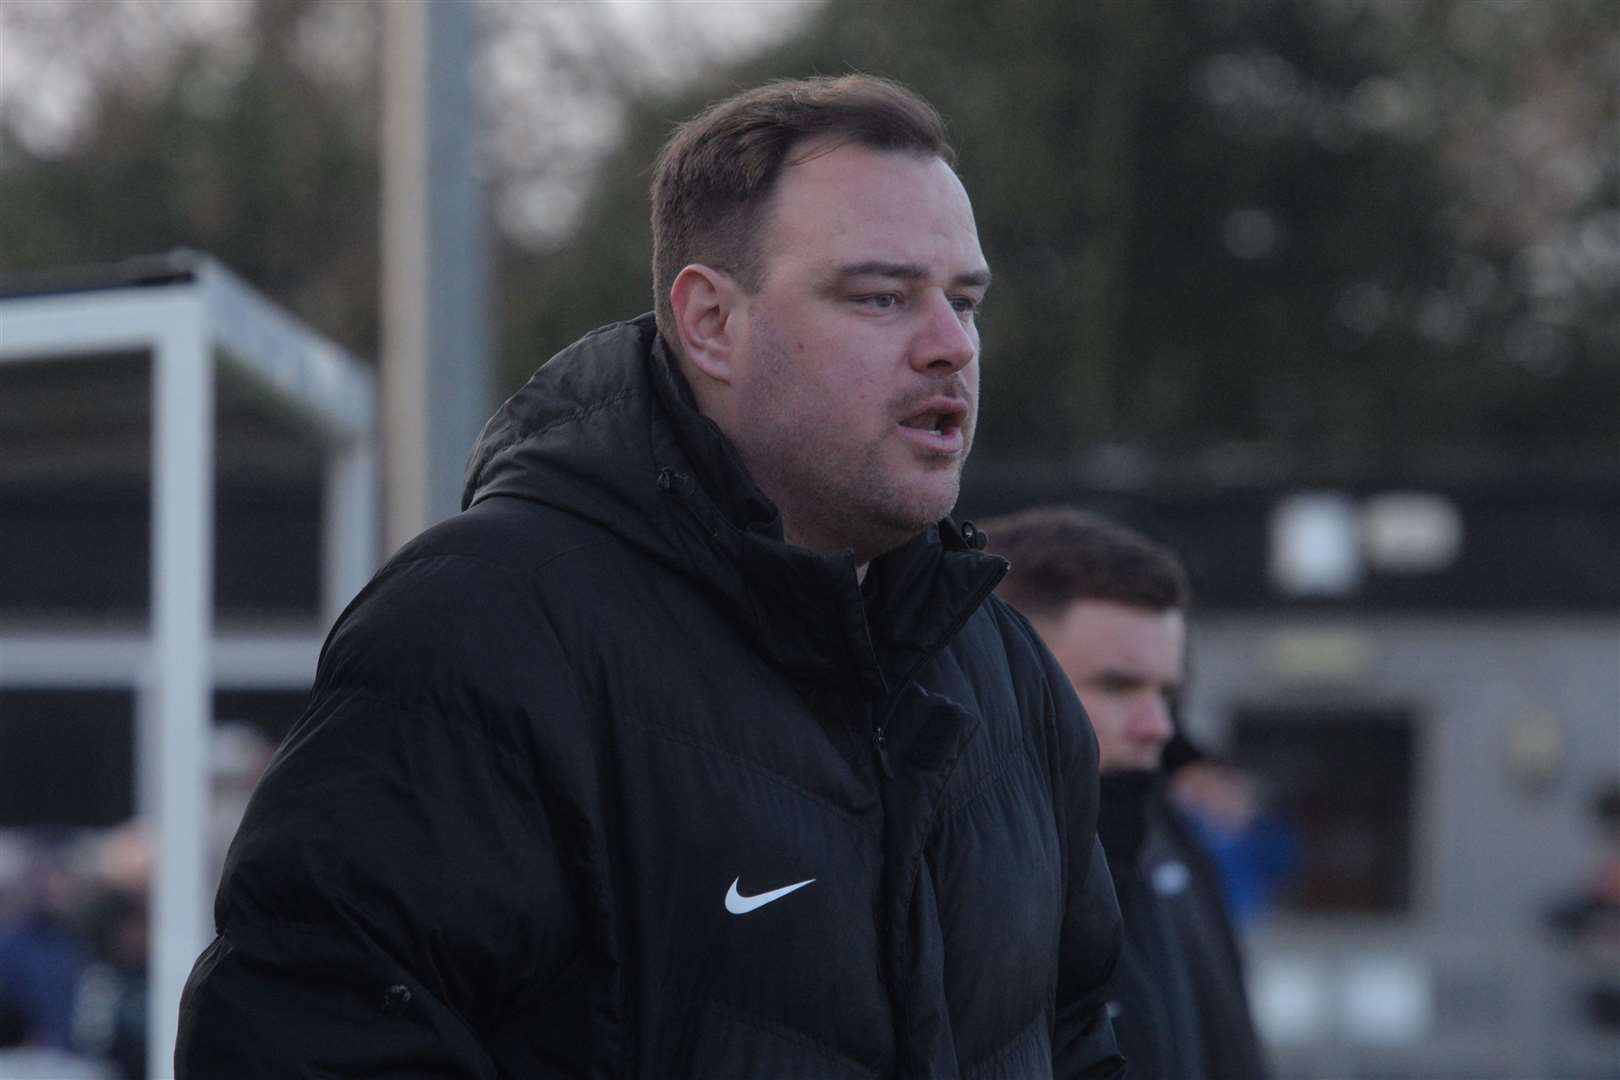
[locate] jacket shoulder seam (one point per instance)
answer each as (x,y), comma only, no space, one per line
(425,710)
(701,743)
(515,571)
(569,418)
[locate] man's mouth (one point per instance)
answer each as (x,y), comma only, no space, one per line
(933,421)
(938,426)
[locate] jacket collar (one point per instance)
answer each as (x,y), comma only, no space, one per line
(1125,801)
(609,430)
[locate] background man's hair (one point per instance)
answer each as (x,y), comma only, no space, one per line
(712,183)
(1060,555)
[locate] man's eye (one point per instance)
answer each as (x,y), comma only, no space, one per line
(880,301)
(965,305)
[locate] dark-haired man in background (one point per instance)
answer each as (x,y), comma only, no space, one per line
(1111,604)
(697,745)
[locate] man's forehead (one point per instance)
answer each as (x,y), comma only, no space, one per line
(851,210)
(864,181)
(1111,631)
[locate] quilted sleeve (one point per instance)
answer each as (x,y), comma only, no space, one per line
(1083,1042)
(397,888)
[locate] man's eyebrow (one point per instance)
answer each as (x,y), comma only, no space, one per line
(910,272)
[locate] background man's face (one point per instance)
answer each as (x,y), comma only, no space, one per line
(1126,664)
(856,393)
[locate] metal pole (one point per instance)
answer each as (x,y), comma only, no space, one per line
(182,616)
(435,273)
(349,524)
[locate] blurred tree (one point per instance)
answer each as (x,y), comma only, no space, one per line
(260,154)
(248,129)
(1345,231)
(1248,229)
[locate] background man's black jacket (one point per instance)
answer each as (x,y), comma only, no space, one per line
(556,731)
(1180,1008)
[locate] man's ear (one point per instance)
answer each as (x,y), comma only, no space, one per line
(708,318)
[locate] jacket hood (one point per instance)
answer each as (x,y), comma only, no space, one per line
(608,431)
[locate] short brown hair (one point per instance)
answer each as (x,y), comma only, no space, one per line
(1060,555)
(713,180)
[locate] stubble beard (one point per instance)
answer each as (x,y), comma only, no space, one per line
(828,500)
(860,508)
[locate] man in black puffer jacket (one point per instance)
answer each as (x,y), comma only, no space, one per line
(1112,605)
(697,745)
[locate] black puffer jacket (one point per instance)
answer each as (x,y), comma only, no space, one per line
(565,746)
(1180,1008)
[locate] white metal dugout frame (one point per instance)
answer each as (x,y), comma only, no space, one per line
(191,315)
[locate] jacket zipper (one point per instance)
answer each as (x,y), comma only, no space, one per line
(880,740)
(880,732)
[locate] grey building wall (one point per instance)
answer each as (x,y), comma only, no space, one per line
(1517,718)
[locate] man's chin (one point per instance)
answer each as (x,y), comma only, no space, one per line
(894,528)
(933,495)
(920,513)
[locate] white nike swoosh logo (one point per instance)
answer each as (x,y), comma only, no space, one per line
(738,904)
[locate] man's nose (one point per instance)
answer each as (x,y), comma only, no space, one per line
(944,342)
(1152,720)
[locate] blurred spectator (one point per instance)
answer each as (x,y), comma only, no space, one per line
(41,952)
(1591,915)
(74,918)
(1589,918)
(1256,848)
(43,956)
(110,1018)
(1111,606)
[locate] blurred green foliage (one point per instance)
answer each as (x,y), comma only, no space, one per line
(1348,232)
(263,162)
(1219,229)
